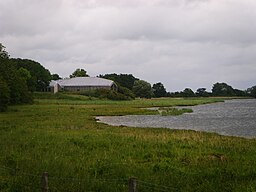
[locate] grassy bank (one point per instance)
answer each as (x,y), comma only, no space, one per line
(60,136)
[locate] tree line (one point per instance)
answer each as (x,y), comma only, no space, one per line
(141,88)
(218,90)
(19,78)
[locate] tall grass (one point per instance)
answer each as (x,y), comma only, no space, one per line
(165,111)
(61,136)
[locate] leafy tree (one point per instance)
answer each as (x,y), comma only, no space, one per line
(126,92)
(175,94)
(222,89)
(79,73)
(16,83)
(142,89)
(40,77)
(239,93)
(201,92)
(123,80)
(168,94)
(13,82)
(55,77)
(187,93)
(24,73)
(251,91)
(159,90)
(3,54)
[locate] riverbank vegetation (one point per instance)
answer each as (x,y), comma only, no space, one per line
(165,111)
(59,134)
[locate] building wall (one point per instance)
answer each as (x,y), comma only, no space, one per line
(84,88)
(54,88)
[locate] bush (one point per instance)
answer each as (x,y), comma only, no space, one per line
(106,94)
(125,91)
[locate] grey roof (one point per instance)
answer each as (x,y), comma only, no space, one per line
(82,81)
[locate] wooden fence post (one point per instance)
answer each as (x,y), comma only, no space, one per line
(132,185)
(44,182)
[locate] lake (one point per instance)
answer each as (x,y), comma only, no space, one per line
(232,117)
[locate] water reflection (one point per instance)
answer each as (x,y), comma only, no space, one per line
(233,117)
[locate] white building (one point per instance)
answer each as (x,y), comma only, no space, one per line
(78,84)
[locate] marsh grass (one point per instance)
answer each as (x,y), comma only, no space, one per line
(61,136)
(165,111)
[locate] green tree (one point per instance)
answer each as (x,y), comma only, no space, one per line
(126,92)
(124,83)
(222,89)
(13,82)
(240,93)
(142,89)
(55,77)
(24,73)
(79,73)
(187,93)
(16,83)
(159,90)
(40,77)
(251,91)
(123,80)
(201,92)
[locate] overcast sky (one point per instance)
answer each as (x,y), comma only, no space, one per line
(181,43)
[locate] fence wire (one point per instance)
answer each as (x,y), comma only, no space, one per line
(141,184)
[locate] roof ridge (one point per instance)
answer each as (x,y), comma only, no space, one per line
(84,81)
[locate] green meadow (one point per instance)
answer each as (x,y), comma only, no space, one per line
(58,134)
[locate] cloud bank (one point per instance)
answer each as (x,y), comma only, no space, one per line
(181,43)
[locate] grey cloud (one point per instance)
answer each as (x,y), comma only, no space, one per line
(182,43)
(136,3)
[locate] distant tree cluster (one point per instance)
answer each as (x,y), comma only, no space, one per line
(140,88)
(131,86)
(124,82)
(19,78)
(159,90)
(135,87)
(36,75)
(79,73)
(251,91)
(218,90)
(55,77)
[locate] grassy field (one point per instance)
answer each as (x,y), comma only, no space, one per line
(59,135)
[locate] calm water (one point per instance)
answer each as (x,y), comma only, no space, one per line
(233,117)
